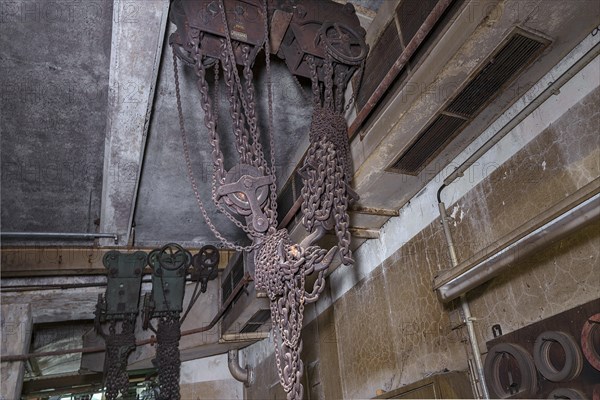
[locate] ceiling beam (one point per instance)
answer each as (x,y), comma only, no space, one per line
(138,34)
(36,261)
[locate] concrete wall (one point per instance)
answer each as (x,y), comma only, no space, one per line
(388,327)
(209,378)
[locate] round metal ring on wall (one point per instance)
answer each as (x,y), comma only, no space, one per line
(590,340)
(557,356)
(509,370)
(566,393)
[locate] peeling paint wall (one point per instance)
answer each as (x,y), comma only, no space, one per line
(390,329)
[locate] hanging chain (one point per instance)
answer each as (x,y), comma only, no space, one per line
(281,268)
(167,356)
(281,265)
(327,166)
(118,347)
(218,169)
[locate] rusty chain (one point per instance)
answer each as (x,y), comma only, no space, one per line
(118,347)
(168,361)
(281,265)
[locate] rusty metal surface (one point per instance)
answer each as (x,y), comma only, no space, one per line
(279,25)
(408,52)
(329,50)
(571,322)
(318,28)
(200,21)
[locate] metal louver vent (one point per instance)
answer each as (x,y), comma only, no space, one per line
(255,322)
(500,69)
(428,145)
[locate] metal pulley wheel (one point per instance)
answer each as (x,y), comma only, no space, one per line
(509,370)
(170,257)
(590,340)
(342,43)
(557,356)
(207,257)
(206,265)
(246,190)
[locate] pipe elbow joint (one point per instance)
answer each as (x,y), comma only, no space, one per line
(245,375)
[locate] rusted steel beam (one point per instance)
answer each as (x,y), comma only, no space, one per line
(291,213)
(408,52)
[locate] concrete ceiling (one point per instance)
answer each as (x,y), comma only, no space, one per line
(54,78)
(90,137)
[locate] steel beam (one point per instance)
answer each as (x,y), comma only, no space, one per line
(138,34)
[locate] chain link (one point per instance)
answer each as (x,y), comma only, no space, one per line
(167,356)
(281,265)
(118,347)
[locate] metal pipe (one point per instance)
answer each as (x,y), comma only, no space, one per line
(490,267)
(245,375)
(98,349)
(482,271)
(57,235)
(408,52)
(479,380)
(526,111)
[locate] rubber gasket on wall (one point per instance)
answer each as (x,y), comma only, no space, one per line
(591,328)
(573,358)
(528,386)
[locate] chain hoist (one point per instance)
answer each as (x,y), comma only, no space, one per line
(248,190)
(118,308)
(169,268)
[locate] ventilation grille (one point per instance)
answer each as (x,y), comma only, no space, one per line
(428,145)
(500,69)
(380,60)
(517,53)
(255,322)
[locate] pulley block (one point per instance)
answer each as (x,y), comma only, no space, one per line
(320,29)
(201,22)
(169,268)
(246,191)
(124,283)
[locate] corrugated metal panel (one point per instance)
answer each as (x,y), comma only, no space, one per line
(518,52)
(430,142)
(381,58)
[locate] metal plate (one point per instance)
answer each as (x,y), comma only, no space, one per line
(124,282)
